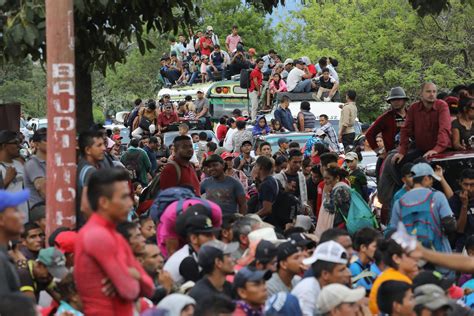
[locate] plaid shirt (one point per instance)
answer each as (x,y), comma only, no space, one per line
(331,133)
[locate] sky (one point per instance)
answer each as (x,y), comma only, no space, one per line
(281,12)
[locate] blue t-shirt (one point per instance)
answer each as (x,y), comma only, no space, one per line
(357,268)
(285,117)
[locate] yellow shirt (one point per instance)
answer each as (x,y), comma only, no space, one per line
(388,275)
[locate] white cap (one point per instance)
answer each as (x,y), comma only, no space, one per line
(351,156)
(336,294)
(320,132)
(266,233)
(288,61)
(329,251)
(209,28)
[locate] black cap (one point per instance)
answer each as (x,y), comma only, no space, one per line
(7,136)
(184,217)
(39,135)
(287,249)
(248,274)
(432,277)
(302,240)
(300,62)
(213,158)
(245,142)
(199,224)
(214,249)
(265,251)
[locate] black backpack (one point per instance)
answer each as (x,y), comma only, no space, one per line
(245,78)
(133,165)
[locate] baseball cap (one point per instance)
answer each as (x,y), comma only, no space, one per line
(213,249)
(226,155)
(283,140)
(336,294)
(329,251)
(304,221)
(303,241)
(200,91)
(13,199)
(116,137)
(209,28)
(351,156)
(288,61)
(430,296)
(300,62)
(7,136)
(248,274)
(265,251)
(65,241)
(39,135)
(432,277)
(213,158)
(54,260)
(246,142)
(320,132)
(286,249)
(198,224)
(423,169)
(282,303)
(265,233)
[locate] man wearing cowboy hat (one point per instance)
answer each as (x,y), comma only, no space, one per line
(390,122)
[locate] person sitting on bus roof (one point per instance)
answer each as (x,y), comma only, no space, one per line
(327,84)
(261,127)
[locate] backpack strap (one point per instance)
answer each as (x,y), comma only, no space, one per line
(177,167)
(82,174)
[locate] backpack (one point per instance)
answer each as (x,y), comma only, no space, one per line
(132,164)
(150,192)
(131,117)
(245,78)
(168,196)
(284,209)
(360,215)
(421,221)
(310,144)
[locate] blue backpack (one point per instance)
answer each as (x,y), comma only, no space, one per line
(360,215)
(166,197)
(421,221)
(310,144)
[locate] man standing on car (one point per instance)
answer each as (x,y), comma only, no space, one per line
(347,120)
(427,122)
(255,90)
(390,122)
(283,114)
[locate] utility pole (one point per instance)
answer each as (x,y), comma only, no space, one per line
(61,150)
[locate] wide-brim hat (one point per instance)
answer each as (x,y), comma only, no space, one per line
(397,93)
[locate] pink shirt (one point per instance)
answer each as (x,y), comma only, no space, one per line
(281,87)
(167,225)
(232,42)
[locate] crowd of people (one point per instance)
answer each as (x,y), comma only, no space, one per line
(233,228)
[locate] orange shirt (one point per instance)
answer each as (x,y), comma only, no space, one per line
(388,275)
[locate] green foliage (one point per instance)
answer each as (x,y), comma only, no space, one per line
(98,114)
(382,43)
(26,84)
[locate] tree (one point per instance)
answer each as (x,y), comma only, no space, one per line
(382,43)
(103,31)
(434,7)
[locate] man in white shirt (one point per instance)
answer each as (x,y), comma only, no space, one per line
(269,61)
(214,37)
(299,78)
(329,264)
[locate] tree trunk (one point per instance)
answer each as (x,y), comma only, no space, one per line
(84,118)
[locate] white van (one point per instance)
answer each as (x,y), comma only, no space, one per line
(331,109)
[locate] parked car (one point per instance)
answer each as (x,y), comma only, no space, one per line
(170,136)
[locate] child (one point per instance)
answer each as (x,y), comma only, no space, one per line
(261,127)
(357,178)
(276,85)
(211,147)
(204,63)
(277,127)
(407,179)
(71,303)
(137,191)
(202,145)
(183,129)
(221,130)
(191,111)
(365,243)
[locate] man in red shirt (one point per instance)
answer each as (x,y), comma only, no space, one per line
(427,122)
(182,172)
(390,122)
(103,256)
(255,90)
(166,118)
(205,44)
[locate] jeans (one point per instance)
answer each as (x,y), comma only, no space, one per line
(210,71)
(254,104)
(348,139)
(302,86)
(194,75)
